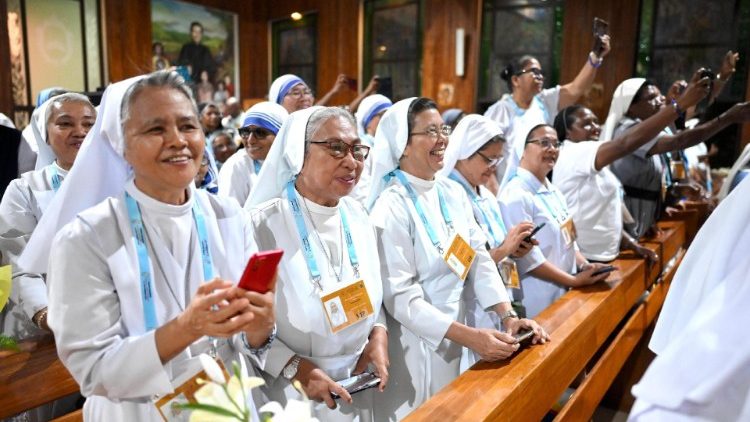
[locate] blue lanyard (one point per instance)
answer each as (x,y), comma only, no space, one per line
(420,211)
(304,235)
(257,166)
(478,202)
(139,237)
(564,213)
(520,111)
(55,178)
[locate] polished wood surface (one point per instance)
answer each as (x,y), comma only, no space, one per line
(32,377)
(76,416)
(580,323)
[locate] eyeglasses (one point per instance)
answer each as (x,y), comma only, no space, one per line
(339,149)
(259,132)
(545,143)
(298,93)
(433,132)
(534,70)
(491,162)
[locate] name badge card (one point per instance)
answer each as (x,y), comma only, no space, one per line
(347,306)
(568,230)
(184,394)
(460,256)
(509,273)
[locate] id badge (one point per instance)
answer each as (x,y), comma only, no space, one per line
(167,405)
(509,273)
(568,230)
(347,306)
(459,256)
(678,170)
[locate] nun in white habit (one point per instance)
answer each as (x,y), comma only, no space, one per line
(418,216)
(473,153)
(59,127)
(260,124)
(139,281)
(368,117)
(702,368)
(301,206)
(290,92)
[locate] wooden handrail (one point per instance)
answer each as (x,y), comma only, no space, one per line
(612,316)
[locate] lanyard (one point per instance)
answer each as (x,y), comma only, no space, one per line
(564,213)
(139,237)
(54,178)
(665,159)
(520,111)
(304,235)
(257,166)
(478,200)
(420,211)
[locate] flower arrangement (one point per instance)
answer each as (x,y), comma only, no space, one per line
(220,399)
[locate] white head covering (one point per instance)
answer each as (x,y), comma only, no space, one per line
(284,160)
(698,337)
(36,136)
(621,100)
(518,145)
(368,108)
(100,172)
(267,115)
(281,86)
(471,133)
(5,121)
(390,142)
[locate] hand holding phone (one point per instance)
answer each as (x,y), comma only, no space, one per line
(530,237)
(524,337)
(357,383)
(260,271)
(601,28)
(604,270)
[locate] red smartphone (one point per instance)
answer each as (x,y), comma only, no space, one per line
(260,271)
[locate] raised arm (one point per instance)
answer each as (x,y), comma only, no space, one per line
(570,92)
(340,84)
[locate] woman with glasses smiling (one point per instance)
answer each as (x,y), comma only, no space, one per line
(433,261)
(291,92)
(260,125)
(474,151)
(554,264)
(329,291)
(528,104)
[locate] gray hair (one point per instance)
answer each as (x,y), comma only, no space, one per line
(321,116)
(68,97)
(160,79)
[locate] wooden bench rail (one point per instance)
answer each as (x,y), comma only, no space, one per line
(580,323)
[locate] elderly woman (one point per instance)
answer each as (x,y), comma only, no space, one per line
(329,290)
(240,173)
(156,259)
(59,127)
(555,264)
(432,251)
(528,104)
(592,191)
(291,92)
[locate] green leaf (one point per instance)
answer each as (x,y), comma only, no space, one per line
(8,343)
(210,408)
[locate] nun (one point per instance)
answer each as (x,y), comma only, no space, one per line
(141,283)
(368,117)
(702,368)
(59,126)
(291,92)
(555,264)
(474,151)
(431,250)
(240,173)
(329,291)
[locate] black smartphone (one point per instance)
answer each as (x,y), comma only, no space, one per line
(524,337)
(357,383)
(530,237)
(603,270)
(601,28)
(385,86)
(707,72)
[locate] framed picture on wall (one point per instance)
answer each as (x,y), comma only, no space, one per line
(201,42)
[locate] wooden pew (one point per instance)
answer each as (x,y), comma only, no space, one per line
(33,377)
(604,322)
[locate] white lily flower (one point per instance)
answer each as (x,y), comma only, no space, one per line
(212,368)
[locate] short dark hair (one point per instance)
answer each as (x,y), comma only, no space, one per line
(513,68)
(417,106)
(564,119)
(196,23)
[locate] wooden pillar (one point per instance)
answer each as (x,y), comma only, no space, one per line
(127,37)
(6,83)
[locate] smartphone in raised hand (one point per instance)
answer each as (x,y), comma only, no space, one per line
(601,28)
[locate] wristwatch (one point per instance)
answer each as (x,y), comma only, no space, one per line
(510,313)
(290,370)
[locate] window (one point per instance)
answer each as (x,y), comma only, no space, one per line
(511,29)
(392,44)
(674,40)
(295,48)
